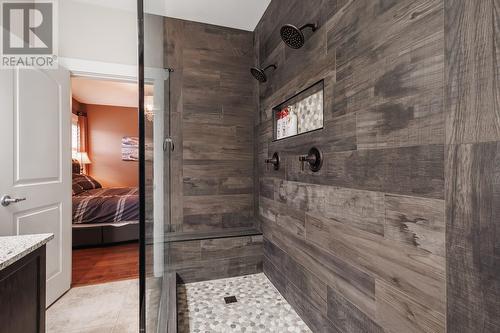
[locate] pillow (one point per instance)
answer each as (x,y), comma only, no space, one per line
(86,182)
(77,189)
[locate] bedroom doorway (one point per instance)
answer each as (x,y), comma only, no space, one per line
(105,219)
(116,256)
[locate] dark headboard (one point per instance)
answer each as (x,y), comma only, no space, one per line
(75,166)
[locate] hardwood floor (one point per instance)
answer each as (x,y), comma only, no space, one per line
(105,264)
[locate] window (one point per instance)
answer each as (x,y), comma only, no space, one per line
(75,136)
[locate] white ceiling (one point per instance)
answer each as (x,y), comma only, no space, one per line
(239,14)
(101,92)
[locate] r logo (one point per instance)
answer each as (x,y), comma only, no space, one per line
(27,28)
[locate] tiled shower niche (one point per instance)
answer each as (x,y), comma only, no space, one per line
(300,114)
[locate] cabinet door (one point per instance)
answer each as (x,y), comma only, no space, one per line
(22,295)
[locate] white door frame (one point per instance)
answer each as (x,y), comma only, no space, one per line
(157,77)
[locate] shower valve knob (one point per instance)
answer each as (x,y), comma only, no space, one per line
(311,159)
(275,161)
(314,158)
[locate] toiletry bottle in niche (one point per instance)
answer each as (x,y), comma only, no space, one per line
(280,124)
(279,120)
(291,128)
(284,123)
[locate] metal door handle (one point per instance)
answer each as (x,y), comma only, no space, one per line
(7,200)
(168,140)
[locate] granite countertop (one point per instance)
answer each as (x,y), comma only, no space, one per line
(13,248)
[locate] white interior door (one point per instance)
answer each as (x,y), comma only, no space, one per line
(35,164)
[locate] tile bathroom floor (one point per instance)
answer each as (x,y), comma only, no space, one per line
(107,308)
(259,307)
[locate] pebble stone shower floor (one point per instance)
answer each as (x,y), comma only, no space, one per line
(259,307)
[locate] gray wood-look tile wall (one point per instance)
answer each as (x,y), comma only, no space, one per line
(399,230)
(473,165)
(360,245)
(213,112)
(209,259)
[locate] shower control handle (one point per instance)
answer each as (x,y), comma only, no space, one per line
(275,161)
(314,158)
(311,159)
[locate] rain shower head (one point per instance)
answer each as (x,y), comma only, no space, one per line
(293,36)
(260,74)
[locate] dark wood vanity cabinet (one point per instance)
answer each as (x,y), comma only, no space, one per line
(22,294)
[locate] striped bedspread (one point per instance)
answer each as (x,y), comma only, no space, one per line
(106,205)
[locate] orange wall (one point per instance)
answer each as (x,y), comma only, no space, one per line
(107,126)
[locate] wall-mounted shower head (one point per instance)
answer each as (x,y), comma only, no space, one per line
(260,74)
(293,36)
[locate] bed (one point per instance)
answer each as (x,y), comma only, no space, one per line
(103,216)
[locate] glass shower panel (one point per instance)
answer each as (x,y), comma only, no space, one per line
(156,177)
(157,167)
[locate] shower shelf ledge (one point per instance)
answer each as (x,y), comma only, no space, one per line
(200,235)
